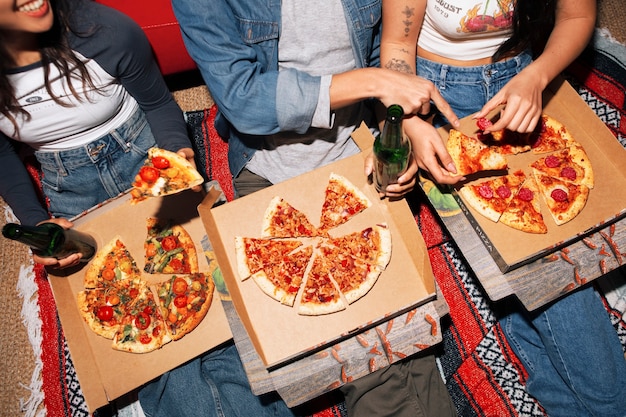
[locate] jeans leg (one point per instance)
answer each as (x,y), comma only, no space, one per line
(574,359)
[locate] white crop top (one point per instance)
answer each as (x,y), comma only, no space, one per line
(466,29)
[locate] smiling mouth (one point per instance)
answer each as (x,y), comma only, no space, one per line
(32,6)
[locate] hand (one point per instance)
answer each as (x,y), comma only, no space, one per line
(414,94)
(189,154)
(68,261)
(430,151)
(406,182)
(522,97)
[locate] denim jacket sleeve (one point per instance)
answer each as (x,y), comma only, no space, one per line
(235,45)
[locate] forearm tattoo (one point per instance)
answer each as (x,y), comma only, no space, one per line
(399,65)
(408,13)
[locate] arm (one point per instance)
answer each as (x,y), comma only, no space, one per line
(402,21)
(574,24)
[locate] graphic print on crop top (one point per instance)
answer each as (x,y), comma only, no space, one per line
(493,15)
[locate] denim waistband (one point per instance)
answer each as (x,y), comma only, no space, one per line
(444,71)
(92,152)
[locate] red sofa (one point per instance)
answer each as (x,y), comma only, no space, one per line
(158,22)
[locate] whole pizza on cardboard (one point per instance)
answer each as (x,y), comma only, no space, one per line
(294,260)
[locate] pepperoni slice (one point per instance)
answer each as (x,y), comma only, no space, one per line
(558,195)
(568,173)
(485,191)
(483,123)
(552,161)
(525,194)
(503,191)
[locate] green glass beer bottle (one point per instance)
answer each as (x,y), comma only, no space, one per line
(52,240)
(392,150)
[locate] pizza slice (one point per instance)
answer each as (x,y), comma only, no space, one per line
(524,211)
(282,280)
(163,173)
(372,245)
(353,276)
(142,329)
(169,249)
(320,295)
(281,219)
(550,135)
(565,200)
(342,201)
(185,301)
(254,254)
(492,196)
(471,155)
(570,164)
(111,264)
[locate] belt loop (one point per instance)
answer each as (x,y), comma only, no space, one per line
(443,72)
(59,163)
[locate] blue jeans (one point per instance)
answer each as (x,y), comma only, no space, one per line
(214,384)
(570,349)
(77,179)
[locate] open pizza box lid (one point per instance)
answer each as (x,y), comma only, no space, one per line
(279,334)
(104,373)
(606,203)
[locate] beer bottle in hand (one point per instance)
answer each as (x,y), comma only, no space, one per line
(392,150)
(51,240)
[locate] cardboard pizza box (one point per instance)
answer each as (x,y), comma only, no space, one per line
(279,334)
(104,373)
(606,203)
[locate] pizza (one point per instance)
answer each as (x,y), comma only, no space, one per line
(470,155)
(163,173)
(491,197)
(342,201)
(565,200)
(119,304)
(563,178)
(306,268)
(142,329)
(282,279)
(570,164)
(281,219)
(169,249)
(320,294)
(254,254)
(111,264)
(523,211)
(185,301)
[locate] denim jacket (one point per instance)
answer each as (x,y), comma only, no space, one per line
(235,45)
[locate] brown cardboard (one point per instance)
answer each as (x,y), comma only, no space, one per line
(277,332)
(106,374)
(606,202)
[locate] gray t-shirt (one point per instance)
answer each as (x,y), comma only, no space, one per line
(316,40)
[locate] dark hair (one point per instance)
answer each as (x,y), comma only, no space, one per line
(533,21)
(55,50)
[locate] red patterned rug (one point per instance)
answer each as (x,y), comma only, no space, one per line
(481,372)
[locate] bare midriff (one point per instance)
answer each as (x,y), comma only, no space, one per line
(452,62)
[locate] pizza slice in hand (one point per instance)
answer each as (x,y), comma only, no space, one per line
(169,249)
(471,155)
(570,164)
(185,301)
(142,329)
(163,173)
(283,278)
(254,254)
(320,295)
(112,263)
(281,219)
(524,210)
(342,201)
(565,200)
(492,196)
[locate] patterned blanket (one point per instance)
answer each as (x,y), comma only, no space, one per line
(483,375)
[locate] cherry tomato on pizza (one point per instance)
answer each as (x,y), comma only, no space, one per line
(169,242)
(149,174)
(160,162)
(105,313)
